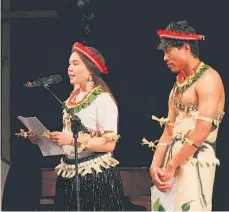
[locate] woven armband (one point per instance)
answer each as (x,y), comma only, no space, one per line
(188,141)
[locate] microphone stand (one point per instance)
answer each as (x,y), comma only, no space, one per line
(76,126)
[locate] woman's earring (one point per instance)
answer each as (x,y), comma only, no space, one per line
(89,84)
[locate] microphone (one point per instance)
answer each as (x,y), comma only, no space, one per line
(54,79)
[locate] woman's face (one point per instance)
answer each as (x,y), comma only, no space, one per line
(77,71)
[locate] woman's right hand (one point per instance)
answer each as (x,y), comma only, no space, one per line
(33,137)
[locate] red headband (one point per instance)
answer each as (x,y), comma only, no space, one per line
(78,47)
(179,35)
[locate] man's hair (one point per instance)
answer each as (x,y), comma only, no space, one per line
(183,27)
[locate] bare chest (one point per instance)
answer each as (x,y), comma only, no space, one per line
(188,97)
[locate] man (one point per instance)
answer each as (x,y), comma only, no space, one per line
(184,160)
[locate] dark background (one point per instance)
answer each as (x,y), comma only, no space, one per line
(125,32)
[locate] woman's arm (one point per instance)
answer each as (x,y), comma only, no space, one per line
(106,143)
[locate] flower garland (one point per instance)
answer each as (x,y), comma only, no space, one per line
(183,84)
(76,107)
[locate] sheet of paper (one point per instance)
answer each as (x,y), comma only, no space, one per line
(47,147)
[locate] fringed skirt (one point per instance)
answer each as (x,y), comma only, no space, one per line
(99,190)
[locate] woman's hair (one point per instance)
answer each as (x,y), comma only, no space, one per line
(95,71)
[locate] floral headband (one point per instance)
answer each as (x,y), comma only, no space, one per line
(179,35)
(78,47)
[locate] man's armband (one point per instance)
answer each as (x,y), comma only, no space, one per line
(204,118)
(162,121)
(154,144)
(190,142)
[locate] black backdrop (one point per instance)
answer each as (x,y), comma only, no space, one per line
(125,32)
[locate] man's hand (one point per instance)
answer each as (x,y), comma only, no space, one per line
(157,175)
(168,175)
(170,172)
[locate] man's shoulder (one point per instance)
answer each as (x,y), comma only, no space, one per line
(210,75)
(210,78)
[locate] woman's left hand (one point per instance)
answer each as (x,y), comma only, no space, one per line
(61,138)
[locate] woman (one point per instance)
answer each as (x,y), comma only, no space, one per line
(92,101)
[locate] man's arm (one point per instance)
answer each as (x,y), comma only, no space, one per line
(166,135)
(208,91)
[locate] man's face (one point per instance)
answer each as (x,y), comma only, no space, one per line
(175,58)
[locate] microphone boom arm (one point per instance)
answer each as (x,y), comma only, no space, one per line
(75,117)
(76,126)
